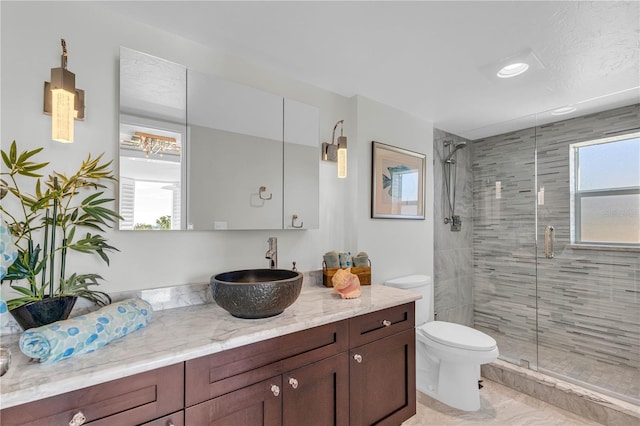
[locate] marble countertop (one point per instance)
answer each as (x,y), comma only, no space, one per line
(177,335)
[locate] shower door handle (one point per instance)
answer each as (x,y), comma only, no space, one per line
(549,242)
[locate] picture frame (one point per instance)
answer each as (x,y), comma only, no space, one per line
(397,183)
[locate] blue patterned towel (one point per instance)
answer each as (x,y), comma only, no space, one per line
(86,333)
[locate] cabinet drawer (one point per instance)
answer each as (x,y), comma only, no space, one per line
(217,374)
(128,401)
(376,325)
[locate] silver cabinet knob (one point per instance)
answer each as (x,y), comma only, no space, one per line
(386,323)
(358,358)
(293,382)
(275,389)
(78,419)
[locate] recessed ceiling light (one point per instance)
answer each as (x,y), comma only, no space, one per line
(563,110)
(513,70)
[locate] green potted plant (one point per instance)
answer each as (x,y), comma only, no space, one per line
(46,225)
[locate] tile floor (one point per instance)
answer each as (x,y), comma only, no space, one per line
(500,405)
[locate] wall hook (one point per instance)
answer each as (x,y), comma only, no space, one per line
(261,190)
(293,222)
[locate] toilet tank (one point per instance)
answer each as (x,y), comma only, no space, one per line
(419,284)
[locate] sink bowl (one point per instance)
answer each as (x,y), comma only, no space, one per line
(256,293)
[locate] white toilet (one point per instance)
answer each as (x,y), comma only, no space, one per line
(448,355)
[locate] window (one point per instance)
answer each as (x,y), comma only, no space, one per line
(606,191)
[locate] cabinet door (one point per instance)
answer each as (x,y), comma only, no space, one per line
(317,394)
(383,380)
(234,148)
(301,165)
(258,404)
(175,419)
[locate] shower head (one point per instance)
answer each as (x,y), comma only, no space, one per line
(457,147)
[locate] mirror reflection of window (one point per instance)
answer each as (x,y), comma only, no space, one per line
(150,177)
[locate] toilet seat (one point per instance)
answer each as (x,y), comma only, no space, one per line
(457,336)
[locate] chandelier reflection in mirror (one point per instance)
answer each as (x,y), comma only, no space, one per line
(152,144)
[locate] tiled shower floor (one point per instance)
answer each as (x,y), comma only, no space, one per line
(617,381)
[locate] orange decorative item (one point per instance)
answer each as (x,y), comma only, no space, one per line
(346,284)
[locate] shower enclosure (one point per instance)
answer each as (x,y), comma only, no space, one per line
(556,248)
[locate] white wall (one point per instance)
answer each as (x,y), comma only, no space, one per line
(396,247)
(30,46)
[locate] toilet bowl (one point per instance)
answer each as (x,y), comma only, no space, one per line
(456,351)
(448,355)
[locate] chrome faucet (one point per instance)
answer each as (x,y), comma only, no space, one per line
(272,253)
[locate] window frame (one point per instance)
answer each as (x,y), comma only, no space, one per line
(577,195)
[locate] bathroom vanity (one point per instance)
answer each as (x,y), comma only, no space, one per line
(331,360)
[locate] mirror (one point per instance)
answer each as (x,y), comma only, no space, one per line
(235,148)
(301,166)
(152,131)
(244,158)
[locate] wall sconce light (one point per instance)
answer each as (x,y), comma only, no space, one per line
(62,100)
(337,153)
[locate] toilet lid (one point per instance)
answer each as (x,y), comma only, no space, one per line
(457,335)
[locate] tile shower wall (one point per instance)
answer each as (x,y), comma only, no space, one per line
(588,301)
(453,266)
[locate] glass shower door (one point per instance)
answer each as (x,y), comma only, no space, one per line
(588,296)
(504,250)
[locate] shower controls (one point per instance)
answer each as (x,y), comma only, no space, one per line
(455,221)
(549,242)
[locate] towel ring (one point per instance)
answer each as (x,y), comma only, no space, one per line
(264,189)
(293,222)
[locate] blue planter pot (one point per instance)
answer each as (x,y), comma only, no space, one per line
(43,312)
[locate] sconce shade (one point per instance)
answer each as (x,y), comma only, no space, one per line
(62,104)
(337,152)
(62,100)
(342,156)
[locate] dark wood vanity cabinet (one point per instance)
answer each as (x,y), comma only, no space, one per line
(131,400)
(314,394)
(358,371)
(288,380)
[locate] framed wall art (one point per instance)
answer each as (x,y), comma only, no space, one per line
(397,183)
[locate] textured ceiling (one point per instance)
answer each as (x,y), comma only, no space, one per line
(431,59)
